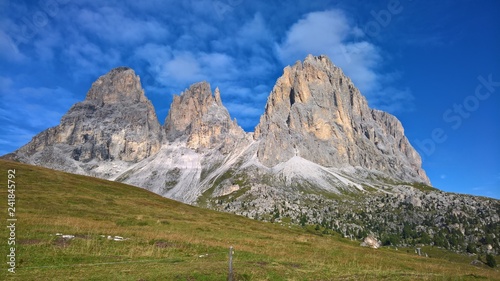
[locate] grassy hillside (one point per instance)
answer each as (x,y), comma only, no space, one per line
(168,240)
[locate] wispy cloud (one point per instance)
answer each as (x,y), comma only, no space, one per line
(238,50)
(116,26)
(30,111)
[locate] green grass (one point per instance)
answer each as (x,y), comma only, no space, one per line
(168,240)
(422,186)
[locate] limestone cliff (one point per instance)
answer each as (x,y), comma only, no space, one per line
(115,122)
(198,117)
(314,111)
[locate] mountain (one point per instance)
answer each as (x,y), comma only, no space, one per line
(115,123)
(314,116)
(319,155)
(198,118)
(199,138)
(315,112)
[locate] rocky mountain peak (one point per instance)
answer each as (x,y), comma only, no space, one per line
(116,122)
(314,111)
(199,117)
(317,130)
(121,84)
(320,61)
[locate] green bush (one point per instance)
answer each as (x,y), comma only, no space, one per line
(490,260)
(471,248)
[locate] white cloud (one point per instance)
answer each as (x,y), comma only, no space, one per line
(220,66)
(113,25)
(184,67)
(169,67)
(253,32)
(153,53)
(316,33)
(38,107)
(391,99)
(88,58)
(331,33)
(46,44)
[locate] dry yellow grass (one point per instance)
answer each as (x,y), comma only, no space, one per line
(169,240)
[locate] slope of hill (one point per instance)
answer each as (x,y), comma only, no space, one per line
(123,232)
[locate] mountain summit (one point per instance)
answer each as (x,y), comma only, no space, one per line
(315,112)
(115,123)
(317,131)
(198,117)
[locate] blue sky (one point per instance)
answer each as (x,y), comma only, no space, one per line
(433,64)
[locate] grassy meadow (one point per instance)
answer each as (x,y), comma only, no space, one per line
(168,240)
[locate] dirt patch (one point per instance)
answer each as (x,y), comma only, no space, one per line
(164,244)
(61,242)
(262,263)
(30,241)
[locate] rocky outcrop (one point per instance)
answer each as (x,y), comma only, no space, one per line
(115,122)
(198,117)
(315,112)
(371,241)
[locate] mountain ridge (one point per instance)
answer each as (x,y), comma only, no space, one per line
(319,155)
(313,112)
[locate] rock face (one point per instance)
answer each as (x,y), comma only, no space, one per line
(316,125)
(314,111)
(115,122)
(201,140)
(317,132)
(199,118)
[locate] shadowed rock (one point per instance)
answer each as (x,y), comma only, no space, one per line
(115,122)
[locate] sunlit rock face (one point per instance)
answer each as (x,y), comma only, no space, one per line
(314,111)
(198,117)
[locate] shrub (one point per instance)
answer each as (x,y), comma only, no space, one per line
(471,248)
(490,260)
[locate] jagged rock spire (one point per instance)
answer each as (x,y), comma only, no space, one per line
(198,117)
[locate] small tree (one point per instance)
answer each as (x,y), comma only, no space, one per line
(471,248)
(490,260)
(303,220)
